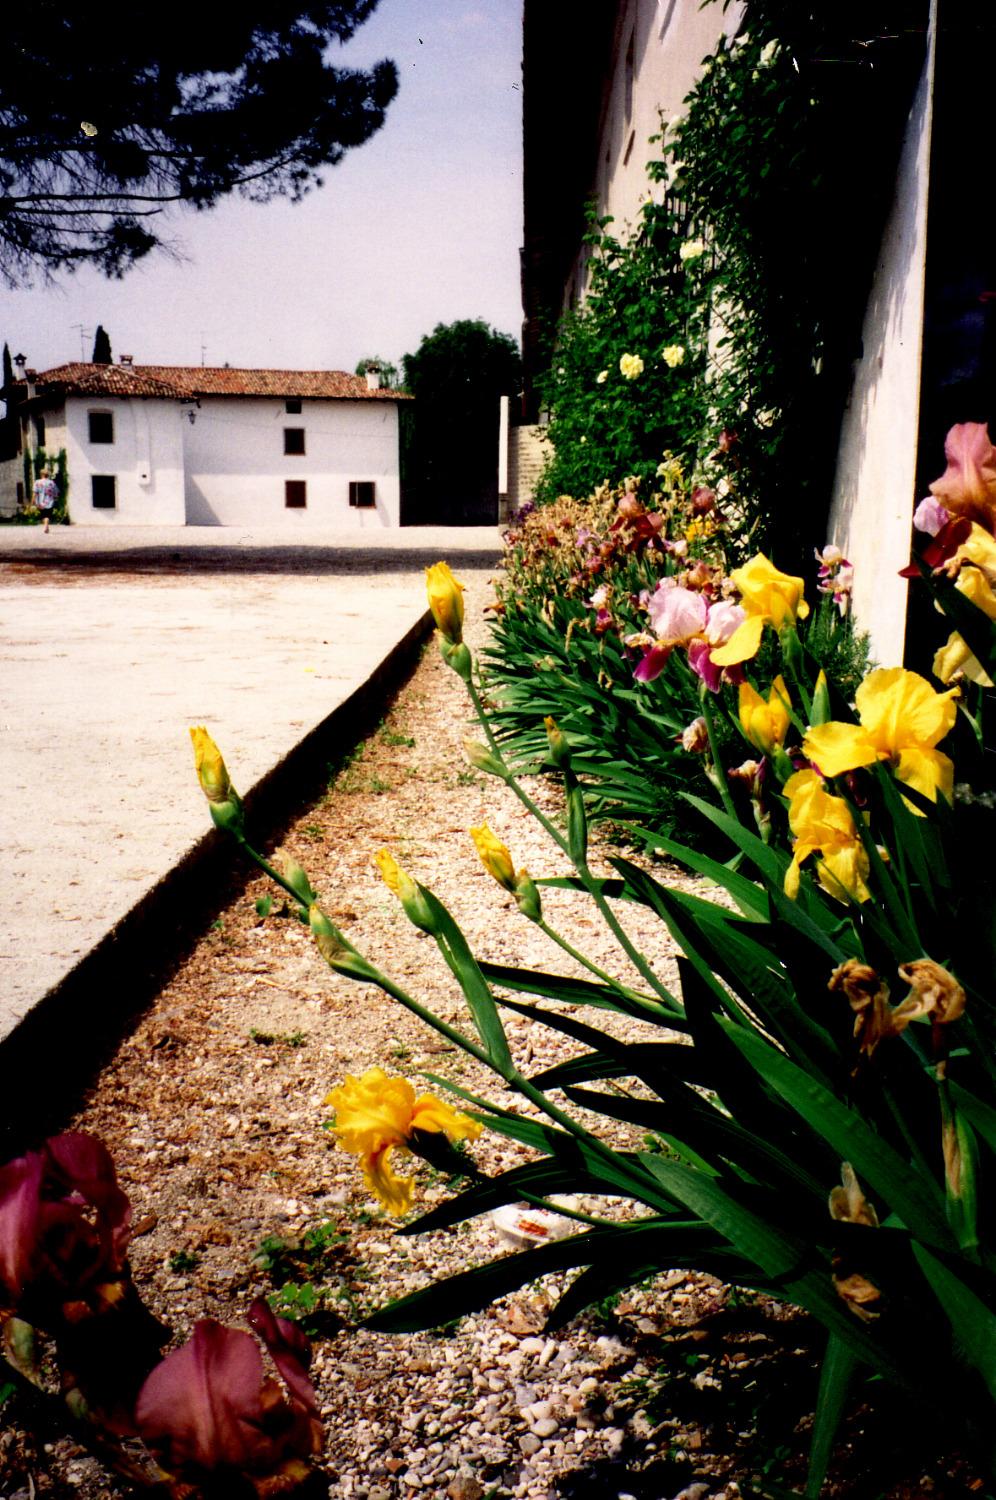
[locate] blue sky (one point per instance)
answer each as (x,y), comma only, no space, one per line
(421,225)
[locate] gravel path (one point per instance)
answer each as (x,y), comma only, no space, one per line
(213,1110)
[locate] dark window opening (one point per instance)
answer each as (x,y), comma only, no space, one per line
(295,494)
(293,407)
(40,431)
(101,426)
(293,439)
(362,494)
(104,491)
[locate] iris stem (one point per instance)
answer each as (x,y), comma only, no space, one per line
(635,957)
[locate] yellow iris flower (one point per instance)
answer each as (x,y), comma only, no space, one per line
(375,1114)
(767,597)
(445,601)
(823,825)
(902,720)
(765,724)
(955,655)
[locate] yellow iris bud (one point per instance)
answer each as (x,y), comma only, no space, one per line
(212,772)
(560,752)
(223,800)
(407,890)
(445,602)
(765,724)
(494,856)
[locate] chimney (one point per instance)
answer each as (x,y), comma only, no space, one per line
(373,378)
(126,359)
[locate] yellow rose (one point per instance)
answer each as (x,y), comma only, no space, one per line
(631,366)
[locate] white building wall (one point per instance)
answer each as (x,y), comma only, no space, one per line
(659,48)
(236,465)
(873,498)
(145,458)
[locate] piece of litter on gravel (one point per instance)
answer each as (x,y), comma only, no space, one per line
(520,1224)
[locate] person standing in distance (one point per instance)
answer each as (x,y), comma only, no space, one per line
(46,492)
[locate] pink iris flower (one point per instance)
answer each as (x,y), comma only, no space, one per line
(968,485)
(682,617)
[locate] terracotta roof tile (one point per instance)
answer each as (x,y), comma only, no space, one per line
(187,381)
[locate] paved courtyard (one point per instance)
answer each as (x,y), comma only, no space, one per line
(113,642)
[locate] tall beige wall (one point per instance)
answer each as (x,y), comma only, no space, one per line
(873,497)
(657,57)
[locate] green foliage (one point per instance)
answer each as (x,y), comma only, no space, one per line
(101,347)
(314,1275)
(457,374)
(802,1087)
(387,372)
(256,103)
(643,300)
(182,1261)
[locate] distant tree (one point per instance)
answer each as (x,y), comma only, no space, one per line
(9,423)
(104,122)
(101,348)
(388,373)
(457,375)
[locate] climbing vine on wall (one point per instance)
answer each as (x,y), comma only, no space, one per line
(753,255)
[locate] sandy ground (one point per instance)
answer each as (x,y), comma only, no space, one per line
(114,641)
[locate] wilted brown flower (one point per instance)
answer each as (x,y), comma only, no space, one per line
(695,737)
(857,1291)
(848,1203)
(936,992)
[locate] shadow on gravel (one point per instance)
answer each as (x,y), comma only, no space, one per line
(318,561)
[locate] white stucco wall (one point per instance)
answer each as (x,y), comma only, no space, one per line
(873,497)
(667,41)
(146,458)
(236,465)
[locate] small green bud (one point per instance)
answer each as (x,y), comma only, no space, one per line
(333,947)
(482,759)
(527,897)
(296,878)
(560,752)
(458,657)
(822,712)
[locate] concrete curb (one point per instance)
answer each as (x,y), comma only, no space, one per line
(48,1059)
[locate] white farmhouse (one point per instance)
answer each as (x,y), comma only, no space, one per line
(174,445)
